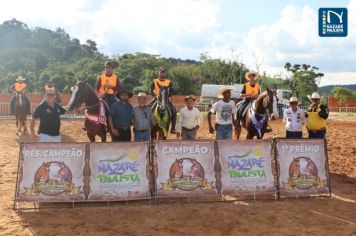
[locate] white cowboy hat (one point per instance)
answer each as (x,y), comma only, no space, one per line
(293,99)
(315,95)
(223,89)
(20,78)
(247,75)
(51,91)
(141,94)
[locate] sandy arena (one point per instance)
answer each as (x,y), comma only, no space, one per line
(315,216)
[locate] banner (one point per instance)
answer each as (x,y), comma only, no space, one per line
(246,167)
(302,167)
(51,172)
(118,171)
(185,168)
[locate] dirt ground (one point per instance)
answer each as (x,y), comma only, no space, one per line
(314,216)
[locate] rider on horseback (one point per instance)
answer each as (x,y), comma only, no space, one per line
(250,92)
(108,84)
(162,82)
(19,87)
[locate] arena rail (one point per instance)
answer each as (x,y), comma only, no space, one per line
(125,171)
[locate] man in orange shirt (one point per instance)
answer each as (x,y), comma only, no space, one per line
(108,84)
(19,87)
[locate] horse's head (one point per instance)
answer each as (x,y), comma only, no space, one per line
(19,98)
(80,94)
(268,101)
(162,97)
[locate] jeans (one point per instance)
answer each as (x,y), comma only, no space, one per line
(296,134)
(142,136)
(50,139)
(188,134)
(124,135)
(317,134)
(223,131)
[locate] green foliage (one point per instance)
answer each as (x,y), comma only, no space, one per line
(343,94)
(41,54)
(304,81)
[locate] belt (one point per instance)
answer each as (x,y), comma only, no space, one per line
(314,131)
(188,129)
(223,124)
(123,127)
(141,130)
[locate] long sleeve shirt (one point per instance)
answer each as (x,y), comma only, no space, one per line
(189,118)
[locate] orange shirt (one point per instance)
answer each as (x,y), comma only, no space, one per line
(20,87)
(108,80)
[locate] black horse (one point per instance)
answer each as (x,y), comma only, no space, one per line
(96,110)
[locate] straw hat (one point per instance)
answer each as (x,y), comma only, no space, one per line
(293,99)
(223,89)
(142,94)
(20,78)
(251,73)
(192,97)
(315,95)
(51,91)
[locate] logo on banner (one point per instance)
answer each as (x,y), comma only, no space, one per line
(333,22)
(303,174)
(186,174)
(119,173)
(52,178)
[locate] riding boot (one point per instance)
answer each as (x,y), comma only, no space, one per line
(268,129)
(173,124)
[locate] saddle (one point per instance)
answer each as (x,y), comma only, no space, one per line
(242,109)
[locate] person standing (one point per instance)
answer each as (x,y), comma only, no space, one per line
(317,115)
(108,84)
(225,112)
(143,119)
(189,120)
(294,118)
(48,112)
(120,117)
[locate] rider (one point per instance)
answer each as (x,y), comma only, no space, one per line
(317,114)
(250,91)
(19,86)
(162,81)
(108,84)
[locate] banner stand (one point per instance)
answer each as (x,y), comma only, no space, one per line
(15,206)
(327,165)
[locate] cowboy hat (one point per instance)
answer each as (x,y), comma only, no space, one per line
(142,94)
(247,75)
(192,97)
(20,78)
(51,91)
(223,89)
(293,99)
(123,92)
(315,95)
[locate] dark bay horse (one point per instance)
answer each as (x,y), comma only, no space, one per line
(95,113)
(162,114)
(20,111)
(255,119)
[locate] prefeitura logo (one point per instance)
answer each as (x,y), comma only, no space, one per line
(332,22)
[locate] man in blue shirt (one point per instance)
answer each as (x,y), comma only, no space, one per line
(120,117)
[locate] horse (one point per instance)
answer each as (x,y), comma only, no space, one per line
(176,170)
(255,118)
(196,169)
(42,174)
(162,114)
(294,168)
(63,174)
(20,112)
(95,113)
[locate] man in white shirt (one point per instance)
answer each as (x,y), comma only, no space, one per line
(189,120)
(294,118)
(225,110)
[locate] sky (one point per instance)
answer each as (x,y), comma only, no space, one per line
(270,33)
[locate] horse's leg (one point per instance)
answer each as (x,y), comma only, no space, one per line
(237,130)
(25,125)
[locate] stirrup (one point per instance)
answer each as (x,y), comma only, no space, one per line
(268,130)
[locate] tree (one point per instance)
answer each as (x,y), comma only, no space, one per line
(342,94)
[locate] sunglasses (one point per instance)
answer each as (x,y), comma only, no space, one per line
(315,99)
(293,103)
(252,75)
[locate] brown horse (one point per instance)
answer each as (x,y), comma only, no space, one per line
(162,114)
(42,174)
(20,113)
(95,113)
(176,169)
(255,118)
